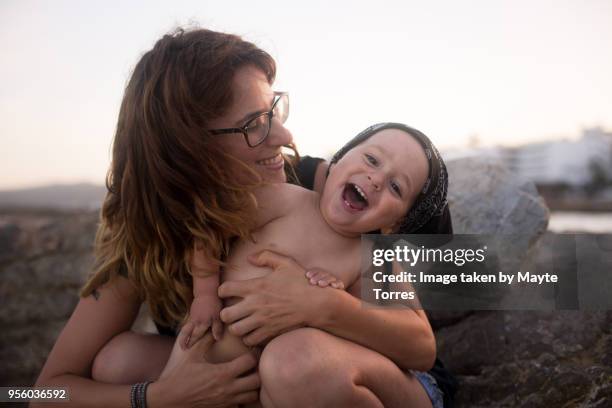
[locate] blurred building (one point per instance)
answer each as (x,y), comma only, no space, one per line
(573,163)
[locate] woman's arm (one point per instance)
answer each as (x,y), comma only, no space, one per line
(96,319)
(110,311)
(283,300)
(398,325)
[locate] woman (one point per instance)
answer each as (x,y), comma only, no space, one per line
(172,182)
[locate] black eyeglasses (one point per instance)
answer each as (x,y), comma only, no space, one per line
(257,129)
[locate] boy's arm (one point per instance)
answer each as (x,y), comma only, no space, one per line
(206,305)
(204,271)
(206,286)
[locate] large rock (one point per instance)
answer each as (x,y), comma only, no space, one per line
(486,198)
(514,358)
(44,260)
(536,359)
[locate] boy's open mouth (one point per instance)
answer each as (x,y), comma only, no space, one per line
(355,197)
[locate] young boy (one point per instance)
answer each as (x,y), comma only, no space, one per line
(372,185)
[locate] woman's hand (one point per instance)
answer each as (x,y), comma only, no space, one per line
(274,304)
(189,380)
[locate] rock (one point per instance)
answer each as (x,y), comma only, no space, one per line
(527,384)
(443,318)
(456,343)
(45,257)
(44,260)
(486,198)
(518,335)
(24,349)
(9,235)
(517,358)
(537,359)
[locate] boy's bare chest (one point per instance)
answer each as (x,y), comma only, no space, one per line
(306,238)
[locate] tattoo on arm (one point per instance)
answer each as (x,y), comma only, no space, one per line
(122,272)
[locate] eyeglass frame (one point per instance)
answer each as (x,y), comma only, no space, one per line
(244,130)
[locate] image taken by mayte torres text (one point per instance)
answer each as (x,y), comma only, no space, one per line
(487,272)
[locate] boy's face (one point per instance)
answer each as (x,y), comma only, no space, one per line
(374,184)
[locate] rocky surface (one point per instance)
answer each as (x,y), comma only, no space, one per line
(508,359)
(518,358)
(486,198)
(44,260)
(530,359)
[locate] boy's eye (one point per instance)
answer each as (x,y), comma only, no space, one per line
(395,187)
(371,159)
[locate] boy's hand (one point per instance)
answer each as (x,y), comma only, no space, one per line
(319,277)
(203,315)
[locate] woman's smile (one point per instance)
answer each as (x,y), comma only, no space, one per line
(273,163)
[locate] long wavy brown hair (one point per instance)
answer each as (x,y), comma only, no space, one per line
(169,183)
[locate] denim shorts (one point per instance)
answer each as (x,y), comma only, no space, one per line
(431,387)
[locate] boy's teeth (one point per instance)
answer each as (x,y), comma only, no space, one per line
(361,193)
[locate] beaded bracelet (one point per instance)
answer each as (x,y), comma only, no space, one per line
(138,395)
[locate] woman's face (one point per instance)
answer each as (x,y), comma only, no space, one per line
(375,183)
(252,94)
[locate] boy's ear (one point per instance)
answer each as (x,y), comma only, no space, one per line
(386,230)
(392,229)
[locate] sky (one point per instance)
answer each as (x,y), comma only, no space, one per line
(502,72)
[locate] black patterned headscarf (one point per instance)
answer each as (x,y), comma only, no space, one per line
(429,213)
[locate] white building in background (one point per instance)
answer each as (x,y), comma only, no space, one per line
(555,162)
(563,161)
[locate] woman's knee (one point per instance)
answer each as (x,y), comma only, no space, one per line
(130,357)
(108,364)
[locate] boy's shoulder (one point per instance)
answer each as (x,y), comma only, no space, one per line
(298,190)
(287,191)
(279,199)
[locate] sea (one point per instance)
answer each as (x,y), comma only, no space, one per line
(575,221)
